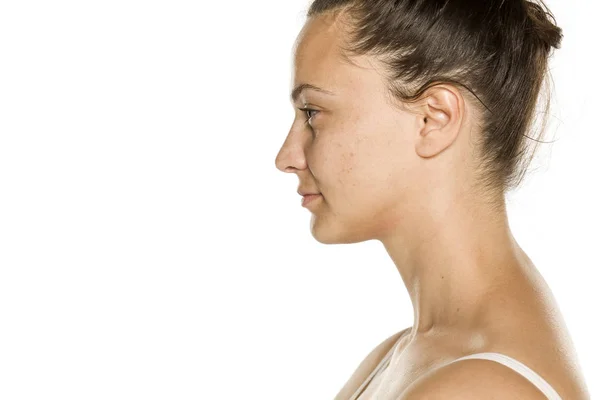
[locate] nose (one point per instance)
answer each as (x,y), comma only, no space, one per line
(291,156)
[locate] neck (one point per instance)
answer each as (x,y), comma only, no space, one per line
(451,264)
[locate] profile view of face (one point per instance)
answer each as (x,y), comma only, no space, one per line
(357,149)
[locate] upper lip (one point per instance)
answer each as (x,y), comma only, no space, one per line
(303,192)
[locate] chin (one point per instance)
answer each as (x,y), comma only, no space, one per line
(327,234)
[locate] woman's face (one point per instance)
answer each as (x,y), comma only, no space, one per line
(357,149)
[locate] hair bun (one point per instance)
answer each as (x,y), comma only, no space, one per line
(545,29)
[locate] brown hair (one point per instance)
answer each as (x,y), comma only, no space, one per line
(497,50)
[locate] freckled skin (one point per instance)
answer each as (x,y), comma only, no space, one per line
(358,151)
(405,177)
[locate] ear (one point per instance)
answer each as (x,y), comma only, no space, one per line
(440,120)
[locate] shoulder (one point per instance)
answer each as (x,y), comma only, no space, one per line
(366,366)
(472,379)
(375,356)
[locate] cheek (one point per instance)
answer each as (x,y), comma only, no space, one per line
(353,160)
(372,170)
(352,174)
(333,164)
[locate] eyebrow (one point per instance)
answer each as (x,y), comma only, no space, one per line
(303,86)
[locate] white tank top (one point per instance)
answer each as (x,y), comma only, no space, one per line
(510,362)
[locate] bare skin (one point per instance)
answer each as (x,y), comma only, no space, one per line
(405,177)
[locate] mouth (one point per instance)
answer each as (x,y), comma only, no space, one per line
(310,198)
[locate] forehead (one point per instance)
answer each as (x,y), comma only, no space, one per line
(318,43)
(318,58)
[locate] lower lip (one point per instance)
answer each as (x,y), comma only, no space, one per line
(306,200)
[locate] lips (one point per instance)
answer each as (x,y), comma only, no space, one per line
(306,191)
(309,198)
(302,192)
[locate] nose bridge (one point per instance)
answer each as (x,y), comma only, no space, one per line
(291,153)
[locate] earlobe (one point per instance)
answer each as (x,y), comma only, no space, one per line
(428,144)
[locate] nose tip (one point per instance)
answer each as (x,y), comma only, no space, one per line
(280,162)
(291,157)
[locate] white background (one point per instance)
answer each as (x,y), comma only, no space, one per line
(149,248)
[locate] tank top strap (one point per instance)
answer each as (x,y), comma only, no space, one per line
(520,368)
(382,364)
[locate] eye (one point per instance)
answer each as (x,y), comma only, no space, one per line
(308,111)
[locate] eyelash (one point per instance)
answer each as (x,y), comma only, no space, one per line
(307,110)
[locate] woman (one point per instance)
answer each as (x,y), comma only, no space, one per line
(410,128)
